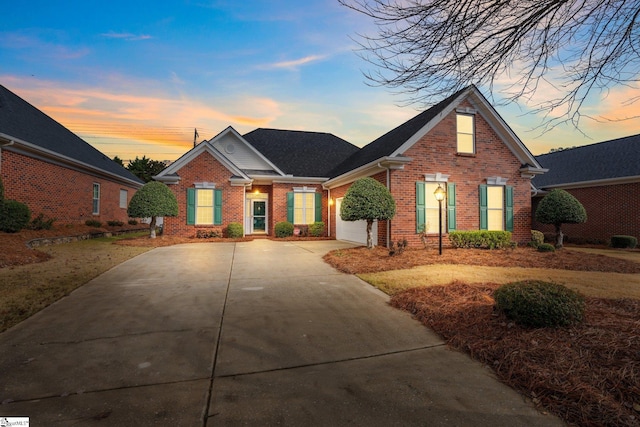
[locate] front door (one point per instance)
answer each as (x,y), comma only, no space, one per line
(258,216)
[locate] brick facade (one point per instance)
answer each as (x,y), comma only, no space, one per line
(611,210)
(59,192)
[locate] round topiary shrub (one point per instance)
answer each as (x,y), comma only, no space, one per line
(546,247)
(283,229)
(537,304)
(234,230)
(14,216)
(316,229)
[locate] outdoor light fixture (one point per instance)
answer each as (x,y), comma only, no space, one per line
(439,194)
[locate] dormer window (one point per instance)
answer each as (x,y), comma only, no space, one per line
(465,129)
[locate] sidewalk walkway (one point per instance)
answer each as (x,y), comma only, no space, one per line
(251,333)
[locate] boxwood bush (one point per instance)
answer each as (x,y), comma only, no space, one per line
(546,247)
(283,229)
(317,229)
(14,216)
(623,242)
(482,239)
(537,238)
(234,230)
(535,303)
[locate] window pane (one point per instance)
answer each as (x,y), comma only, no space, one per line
(465,131)
(495,197)
(495,206)
(204,206)
(494,218)
(204,197)
(123,198)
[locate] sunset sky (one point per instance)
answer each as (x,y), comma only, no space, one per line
(135,78)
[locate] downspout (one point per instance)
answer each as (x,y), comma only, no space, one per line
(329,212)
(388,188)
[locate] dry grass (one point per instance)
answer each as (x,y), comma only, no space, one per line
(590,283)
(27,289)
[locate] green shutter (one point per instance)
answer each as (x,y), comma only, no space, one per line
(217,207)
(191,206)
(508,208)
(420,207)
(318,207)
(451,207)
(290,207)
(483,207)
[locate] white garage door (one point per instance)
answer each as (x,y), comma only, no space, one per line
(354,231)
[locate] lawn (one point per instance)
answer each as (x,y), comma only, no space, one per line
(587,374)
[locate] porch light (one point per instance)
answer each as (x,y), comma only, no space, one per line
(439,194)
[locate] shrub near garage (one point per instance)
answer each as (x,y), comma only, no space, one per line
(537,304)
(283,229)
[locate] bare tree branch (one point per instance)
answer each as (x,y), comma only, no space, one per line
(570,49)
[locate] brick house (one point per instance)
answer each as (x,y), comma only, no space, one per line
(605,178)
(268,176)
(54,172)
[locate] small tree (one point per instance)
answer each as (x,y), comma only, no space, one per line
(145,168)
(154,199)
(369,200)
(557,208)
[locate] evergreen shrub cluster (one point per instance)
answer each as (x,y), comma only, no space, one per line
(283,229)
(93,223)
(540,304)
(546,247)
(481,239)
(317,229)
(621,241)
(234,230)
(14,215)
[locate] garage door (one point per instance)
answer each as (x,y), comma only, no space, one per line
(353,231)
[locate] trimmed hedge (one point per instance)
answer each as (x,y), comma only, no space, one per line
(317,229)
(481,239)
(283,229)
(539,304)
(14,216)
(234,230)
(546,247)
(621,241)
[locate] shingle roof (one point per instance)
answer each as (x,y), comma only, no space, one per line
(392,140)
(301,153)
(617,158)
(23,121)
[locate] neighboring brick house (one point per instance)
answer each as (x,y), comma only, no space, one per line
(54,172)
(268,176)
(605,178)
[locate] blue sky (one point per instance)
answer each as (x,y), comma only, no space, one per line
(135,78)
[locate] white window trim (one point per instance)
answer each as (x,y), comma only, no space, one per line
(124,192)
(304,189)
(471,113)
(198,207)
(497,181)
(205,185)
(95,207)
(436,177)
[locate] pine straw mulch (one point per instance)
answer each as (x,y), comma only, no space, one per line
(587,374)
(363,260)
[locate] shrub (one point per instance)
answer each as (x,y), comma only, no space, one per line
(115,223)
(537,238)
(40,223)
(482,239)
(546,247)
(283,229)
(623,242)
(234,230)
(14,216)
(208,234)
(535,303)
(317,229)
(397,250)
(133,222)
(1,191)
(93,223)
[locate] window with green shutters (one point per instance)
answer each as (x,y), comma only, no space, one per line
(427,207)
(204,206)
(304,207)
(496,207)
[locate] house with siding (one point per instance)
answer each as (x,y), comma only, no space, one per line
(56,173)
(267,176)
(605,178)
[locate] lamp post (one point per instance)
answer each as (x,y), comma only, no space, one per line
(439,194)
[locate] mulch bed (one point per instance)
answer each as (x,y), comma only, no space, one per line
(363,260)
(588,374)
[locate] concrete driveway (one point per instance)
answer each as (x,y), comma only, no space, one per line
(252,333)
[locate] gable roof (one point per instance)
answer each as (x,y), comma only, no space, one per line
(604,161)
(388,150)
(301,153)
(33,132)
(388,143)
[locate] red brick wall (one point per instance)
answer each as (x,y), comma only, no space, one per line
(205,168)
(437,152)
(611,210)
(58,192)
